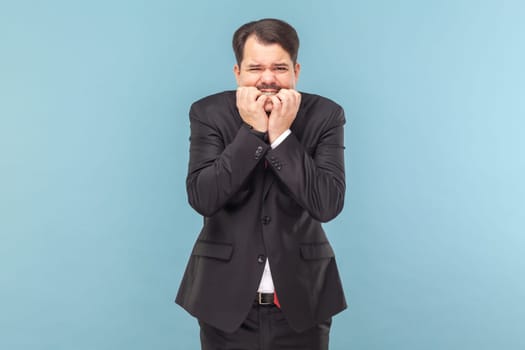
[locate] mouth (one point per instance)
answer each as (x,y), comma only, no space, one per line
(269,89)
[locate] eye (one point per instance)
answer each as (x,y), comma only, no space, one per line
(254,69)
(281,69)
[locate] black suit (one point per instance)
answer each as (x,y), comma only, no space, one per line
(259,202)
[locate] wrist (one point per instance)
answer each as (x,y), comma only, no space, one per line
(275,137)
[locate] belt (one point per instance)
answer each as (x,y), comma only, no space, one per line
(264,299)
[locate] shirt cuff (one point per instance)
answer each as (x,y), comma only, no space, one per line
(281,138)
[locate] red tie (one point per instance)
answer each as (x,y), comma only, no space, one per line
(275,300)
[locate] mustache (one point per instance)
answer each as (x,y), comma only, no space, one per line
(268,87)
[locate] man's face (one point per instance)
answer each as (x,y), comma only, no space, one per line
(269,68)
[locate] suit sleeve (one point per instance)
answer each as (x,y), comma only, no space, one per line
(316,182)
(217,170)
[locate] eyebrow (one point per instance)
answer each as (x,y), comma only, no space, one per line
(278,65)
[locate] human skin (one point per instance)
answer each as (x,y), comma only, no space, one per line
(266,95)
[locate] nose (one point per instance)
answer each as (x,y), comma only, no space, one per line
(267,76)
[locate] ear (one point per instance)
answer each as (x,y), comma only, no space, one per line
(297,70)
(237,73)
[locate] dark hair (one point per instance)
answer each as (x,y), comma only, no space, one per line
(267,31)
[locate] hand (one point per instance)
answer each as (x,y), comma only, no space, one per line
(250,102)
(285,107)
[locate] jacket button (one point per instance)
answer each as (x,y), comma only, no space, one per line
(261,259)
(266,220)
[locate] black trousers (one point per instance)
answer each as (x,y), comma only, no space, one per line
(265,328)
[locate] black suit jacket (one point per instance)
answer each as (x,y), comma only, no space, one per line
(259,202)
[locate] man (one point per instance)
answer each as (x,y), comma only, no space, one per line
(266,168)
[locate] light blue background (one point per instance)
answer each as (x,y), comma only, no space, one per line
(95,229)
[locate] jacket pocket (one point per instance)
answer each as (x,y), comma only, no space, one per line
(317,251)
(221,251)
